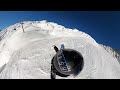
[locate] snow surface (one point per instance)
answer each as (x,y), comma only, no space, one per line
(112,51)
(28,55)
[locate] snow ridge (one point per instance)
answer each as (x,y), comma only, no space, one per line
(114,52)
(50,27)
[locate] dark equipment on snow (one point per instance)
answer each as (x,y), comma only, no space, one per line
(66,62)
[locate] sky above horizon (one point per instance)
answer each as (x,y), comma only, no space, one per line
(103,26)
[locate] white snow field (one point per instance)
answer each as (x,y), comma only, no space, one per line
(28,55)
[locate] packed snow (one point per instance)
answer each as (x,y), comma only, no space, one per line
(114,52)
(28,55)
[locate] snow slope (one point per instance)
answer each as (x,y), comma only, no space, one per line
(28,55)
(114,52)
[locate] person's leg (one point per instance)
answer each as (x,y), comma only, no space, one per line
(53,71)
(56,49)
(53,74)
(62,47)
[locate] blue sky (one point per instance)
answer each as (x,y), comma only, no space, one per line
(103,26)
